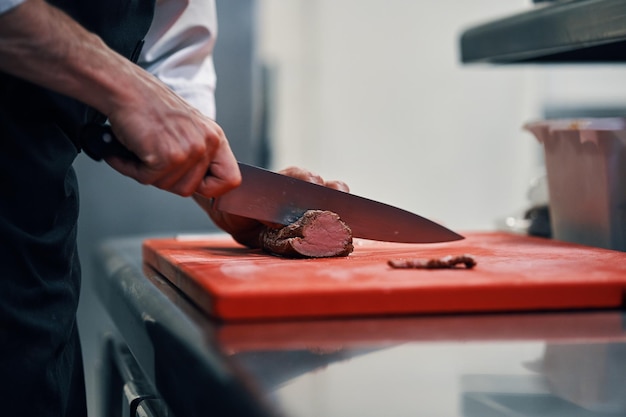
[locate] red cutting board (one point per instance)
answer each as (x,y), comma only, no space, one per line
(513,272)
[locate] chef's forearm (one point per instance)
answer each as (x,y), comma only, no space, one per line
(43,45)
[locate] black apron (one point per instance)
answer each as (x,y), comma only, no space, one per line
(40,359)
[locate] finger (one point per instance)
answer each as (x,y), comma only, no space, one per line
(128,168)
(235,225)
(337,185)
(223,174)
(180,176)
(184,180)
(302,174)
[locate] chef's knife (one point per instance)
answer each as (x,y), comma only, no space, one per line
(272,197)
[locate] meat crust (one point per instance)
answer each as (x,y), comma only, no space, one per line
(434,263)
(317,234)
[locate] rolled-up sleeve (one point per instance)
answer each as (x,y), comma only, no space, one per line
(178,49)
(6,5)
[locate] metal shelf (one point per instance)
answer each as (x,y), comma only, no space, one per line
(575,31)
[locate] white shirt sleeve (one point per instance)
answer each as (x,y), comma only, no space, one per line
(6,5)
(179,50)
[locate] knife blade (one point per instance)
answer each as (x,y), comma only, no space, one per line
(271,197)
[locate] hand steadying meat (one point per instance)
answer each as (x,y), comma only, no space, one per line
(245,230)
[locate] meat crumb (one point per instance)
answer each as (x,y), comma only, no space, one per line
(449,262)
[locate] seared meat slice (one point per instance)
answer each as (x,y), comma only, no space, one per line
(434,263)
(317,234)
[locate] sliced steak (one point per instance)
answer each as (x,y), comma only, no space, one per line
(434,263)
(317,234)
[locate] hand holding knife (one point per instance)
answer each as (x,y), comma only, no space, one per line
(270,197)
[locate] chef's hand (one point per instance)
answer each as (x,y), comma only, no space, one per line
(176,145)
(245,230)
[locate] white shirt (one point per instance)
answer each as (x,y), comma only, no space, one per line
(179,48)
(6,5)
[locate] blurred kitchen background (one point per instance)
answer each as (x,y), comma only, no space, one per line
(374,93)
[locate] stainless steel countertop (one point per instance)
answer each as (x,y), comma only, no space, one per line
(549,364)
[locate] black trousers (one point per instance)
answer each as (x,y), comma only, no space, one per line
(41,371)
(40,381)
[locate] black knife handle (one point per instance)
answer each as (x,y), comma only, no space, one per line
(99,142)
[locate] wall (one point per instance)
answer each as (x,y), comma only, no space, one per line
(593,90)
(372,92)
